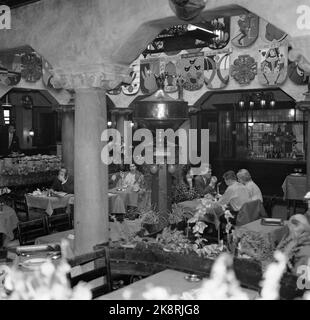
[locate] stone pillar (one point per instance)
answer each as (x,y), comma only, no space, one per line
(67,137)
(91,218)
(91,175)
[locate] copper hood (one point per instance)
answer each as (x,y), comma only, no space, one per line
(160,111)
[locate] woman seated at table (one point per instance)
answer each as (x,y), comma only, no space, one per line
(296,243)
(62,182)
(133,179)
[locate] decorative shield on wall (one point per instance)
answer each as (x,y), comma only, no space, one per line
(244,29)
(272,65)
(134,87)
(244,69)
(221,28)
(47,75)
(271,34)
(190,68)
(296,73)
(116,91)
(216,69)
(10,69)
(170,70)
(31,67)
(148,69)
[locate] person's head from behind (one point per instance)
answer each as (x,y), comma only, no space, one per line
(63,174)
(11,128)
(298,224)
(229,177)
(244,176)
(133,168)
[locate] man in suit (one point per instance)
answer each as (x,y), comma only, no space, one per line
(202,181)
(9,140)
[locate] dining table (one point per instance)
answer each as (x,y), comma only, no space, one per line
(8,222)
(128,195)
(49,203)
(164,285)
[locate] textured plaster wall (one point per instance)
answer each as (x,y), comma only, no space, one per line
(69,32)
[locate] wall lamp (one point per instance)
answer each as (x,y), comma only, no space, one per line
(30,135)
(262,99)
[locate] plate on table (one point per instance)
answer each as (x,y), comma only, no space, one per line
(193,277)
(33,263)
(59,193)
(128,245)
(271,222)
(297,174)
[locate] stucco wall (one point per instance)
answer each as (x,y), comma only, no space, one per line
(70,32)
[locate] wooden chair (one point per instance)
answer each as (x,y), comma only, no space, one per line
(60,221)
(21,209)
(101,259)
(28,231)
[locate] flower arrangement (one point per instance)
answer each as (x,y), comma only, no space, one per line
(178,214)
(183,193)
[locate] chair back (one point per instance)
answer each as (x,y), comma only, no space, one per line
(101,259)
(250,211)
(28,231)
(59,221)
(21,209)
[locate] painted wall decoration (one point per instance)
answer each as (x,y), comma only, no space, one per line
(244,69)
(216,69)
(221,28)
(148,69)
(31,67)
(296,73)
(244,29)
(47,75)
(169,68)
(9,78)
(133,88)
(116,91)
(269,33)
(10,69)
(191,70)
(272,68)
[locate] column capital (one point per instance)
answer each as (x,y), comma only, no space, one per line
(104,75)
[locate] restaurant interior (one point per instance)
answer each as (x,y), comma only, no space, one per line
(86,95)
